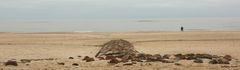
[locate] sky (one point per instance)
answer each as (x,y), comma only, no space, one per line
(117,9)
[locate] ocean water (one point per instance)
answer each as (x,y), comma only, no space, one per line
(119,25)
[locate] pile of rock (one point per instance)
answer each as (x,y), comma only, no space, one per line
(123,51)
(117,48)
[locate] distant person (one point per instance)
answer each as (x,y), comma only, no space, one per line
(182,29)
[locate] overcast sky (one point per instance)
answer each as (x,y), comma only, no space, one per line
(100,9)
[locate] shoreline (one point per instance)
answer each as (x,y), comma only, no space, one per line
(129,31)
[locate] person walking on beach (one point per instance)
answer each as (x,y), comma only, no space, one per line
(182,29)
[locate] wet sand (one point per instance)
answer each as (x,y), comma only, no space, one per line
(61,45)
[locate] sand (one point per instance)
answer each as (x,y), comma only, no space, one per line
(61,45)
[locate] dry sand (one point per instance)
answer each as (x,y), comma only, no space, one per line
(65,44)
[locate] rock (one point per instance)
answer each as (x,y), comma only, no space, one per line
(109,57)
(75,64)
(90,60)
(177,64)
(86,57)
(117,48)
(215,56)
(114,61)
(166,56)
(61,63)
(148,64)
(141,56)
(12,62)
(180,56)
(213,62)
(198,61)
(70,58)
(129,63)
(27,64)
(152,58)
(206,56)
(219,61)
(228,57)
(159,57)
(101,58)
(79,56)
(138,60)
(190,56)
(25,60)
(223,61)
(167,61)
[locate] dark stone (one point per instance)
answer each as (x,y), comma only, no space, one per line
(141,56)
(228,57)
(213,61)
(70,58)
(166,61)
(61,63)
(205,56)
(129,63)
(25,60)
(79,56)
(177,64)
(219,61)
(137,59)
(86,57)
(90,60)
(215,56)
(27,64)
(198,61)
(109,57)
(166,56)
(100,58)
(114,61)
(11,62)
(75,64)
(180,56)
(190,56)
(223,61)
(159,57)
(152,58)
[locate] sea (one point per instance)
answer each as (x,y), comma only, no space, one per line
(119,25)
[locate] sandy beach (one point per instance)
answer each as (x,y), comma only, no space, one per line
(59,46)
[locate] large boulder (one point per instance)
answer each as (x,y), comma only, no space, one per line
(117,48)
